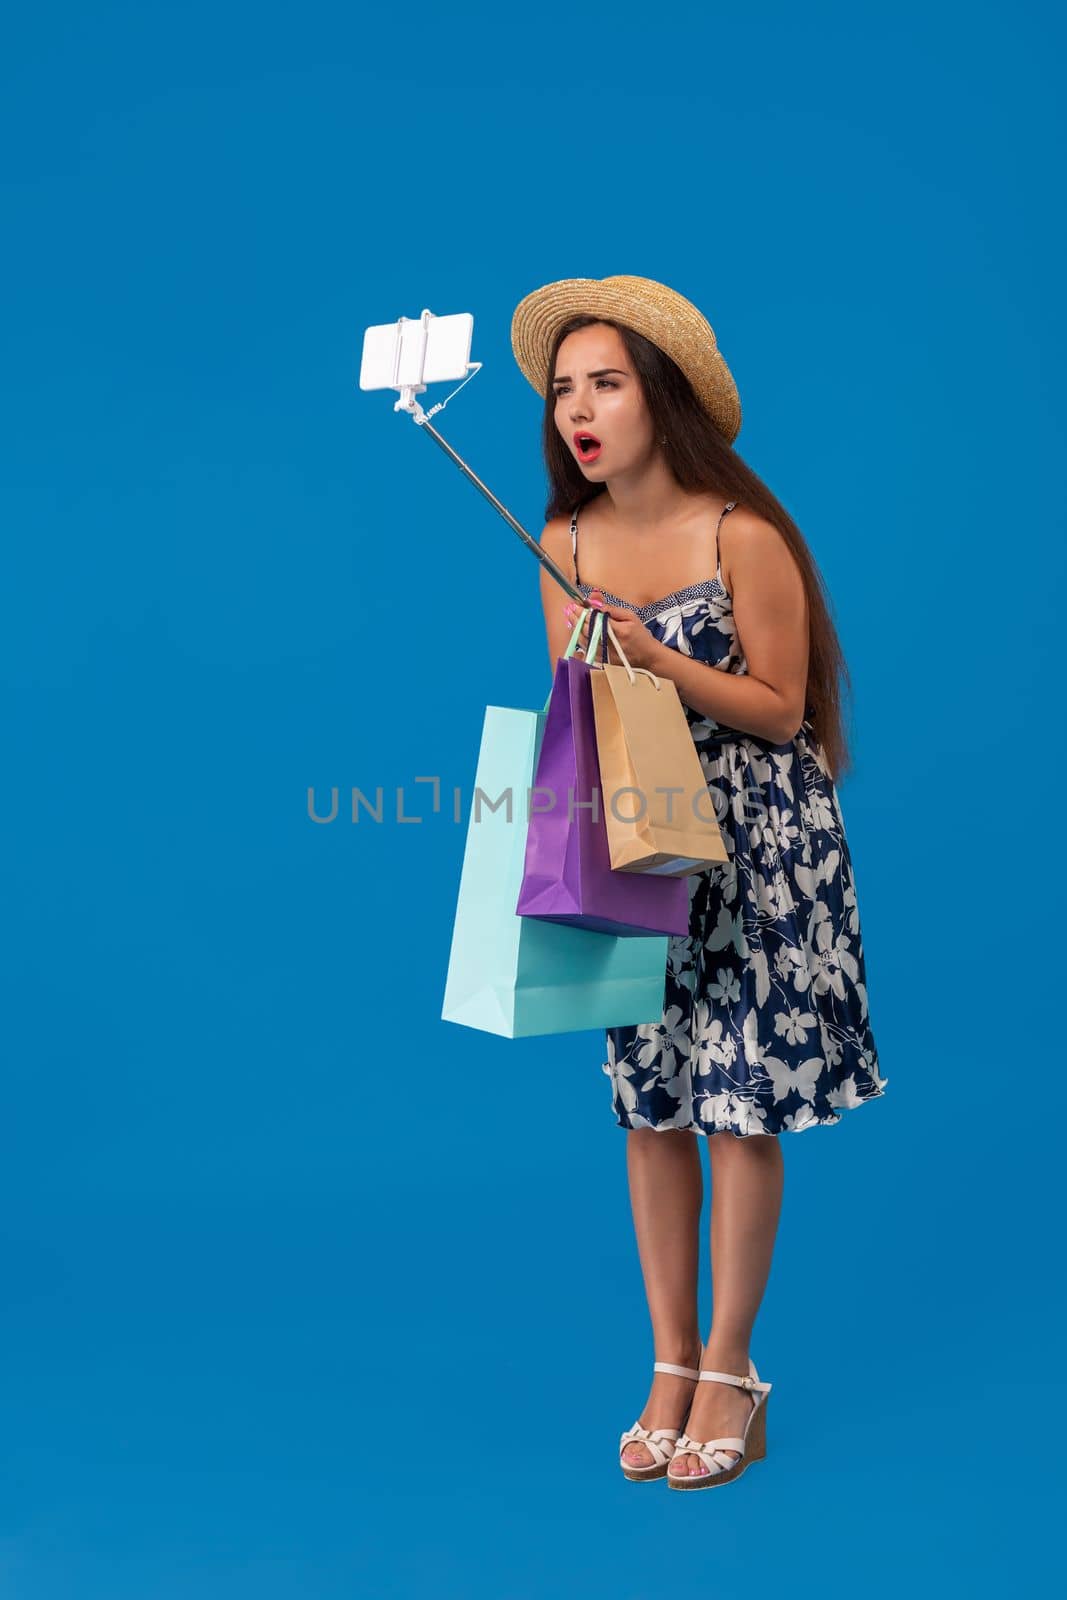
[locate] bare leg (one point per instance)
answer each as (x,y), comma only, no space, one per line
(747,1177)
(666,1194)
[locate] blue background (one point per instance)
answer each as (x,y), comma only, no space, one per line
(305,1292)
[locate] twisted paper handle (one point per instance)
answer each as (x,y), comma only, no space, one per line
(602,621)
(595,638)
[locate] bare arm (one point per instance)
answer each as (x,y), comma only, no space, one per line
(556,539)
(771,613)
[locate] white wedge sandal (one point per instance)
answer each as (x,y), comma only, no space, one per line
(722,1468)
(659,1442)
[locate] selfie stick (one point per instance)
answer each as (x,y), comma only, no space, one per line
(407,402)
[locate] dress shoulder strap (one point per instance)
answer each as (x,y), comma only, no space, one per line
(729,506)
(574,542)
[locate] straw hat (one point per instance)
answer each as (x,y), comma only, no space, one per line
(662,315)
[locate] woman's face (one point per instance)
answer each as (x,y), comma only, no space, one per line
(598,392)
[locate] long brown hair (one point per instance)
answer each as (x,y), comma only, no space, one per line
(701,459)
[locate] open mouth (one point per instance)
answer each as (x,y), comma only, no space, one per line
(587,445)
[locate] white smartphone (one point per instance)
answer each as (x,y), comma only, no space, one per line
(417,351)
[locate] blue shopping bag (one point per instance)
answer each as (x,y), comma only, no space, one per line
(519,976)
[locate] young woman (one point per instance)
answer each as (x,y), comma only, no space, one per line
(765,1027)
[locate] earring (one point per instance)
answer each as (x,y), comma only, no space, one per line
(663,438)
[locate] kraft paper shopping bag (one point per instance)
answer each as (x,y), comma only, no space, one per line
(659,813)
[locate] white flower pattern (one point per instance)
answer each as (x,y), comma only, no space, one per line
(765,1027)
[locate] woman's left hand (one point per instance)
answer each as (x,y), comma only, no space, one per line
(642,648)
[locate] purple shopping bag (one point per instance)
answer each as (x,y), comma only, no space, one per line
(568,875)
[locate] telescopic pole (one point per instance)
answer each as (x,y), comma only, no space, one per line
(407,402)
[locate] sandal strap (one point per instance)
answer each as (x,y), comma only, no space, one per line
(711,1453)
(639,1431)
(698,1446)
(653,1439)
(679,1372)
(747,1382)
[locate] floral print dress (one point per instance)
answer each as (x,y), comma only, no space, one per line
(765,1027)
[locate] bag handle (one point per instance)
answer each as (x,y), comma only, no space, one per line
(603,622)
(594,637)
(594,640)
(631,671)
